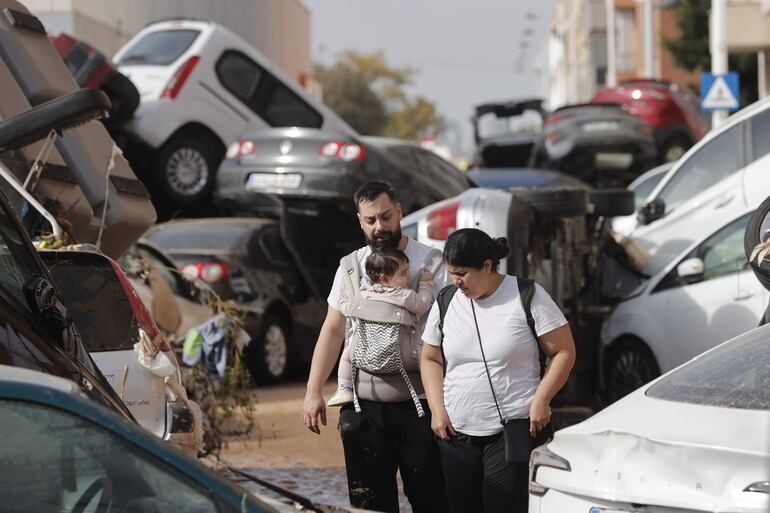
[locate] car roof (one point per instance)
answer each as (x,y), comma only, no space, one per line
(523,177)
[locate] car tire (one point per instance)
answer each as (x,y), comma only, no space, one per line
(674,148)
(759,221)
(267,356)
(612,202)
(123,95)
(185,170)
(631,365)
(554,202)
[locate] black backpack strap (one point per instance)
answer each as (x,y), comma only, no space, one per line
(443,299)
(526,293)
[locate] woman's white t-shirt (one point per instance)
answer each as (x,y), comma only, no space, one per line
(510,349)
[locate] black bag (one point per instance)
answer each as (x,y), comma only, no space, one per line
(519,443)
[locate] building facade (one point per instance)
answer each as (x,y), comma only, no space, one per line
(280,29)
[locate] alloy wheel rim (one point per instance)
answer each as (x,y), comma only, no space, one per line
(275,350)
(630,371)
(187,171)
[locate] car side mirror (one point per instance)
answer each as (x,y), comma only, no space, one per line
(652,211)
(44,300)
(690,270)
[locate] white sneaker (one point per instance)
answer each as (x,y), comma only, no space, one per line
(341,397)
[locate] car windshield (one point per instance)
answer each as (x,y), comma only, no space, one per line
(735,375)
(17,262)
(490,126)
(220,237)
(159,48)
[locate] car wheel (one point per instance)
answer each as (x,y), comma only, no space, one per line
(185,170)
(612,202)
(631,365)
(555,202)
(267,356)
(756,233)
(674,148)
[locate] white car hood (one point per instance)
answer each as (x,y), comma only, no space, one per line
(655,452)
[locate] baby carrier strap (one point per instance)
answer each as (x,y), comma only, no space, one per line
(351,275)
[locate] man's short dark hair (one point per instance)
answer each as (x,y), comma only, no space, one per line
(370,191)
(384,262)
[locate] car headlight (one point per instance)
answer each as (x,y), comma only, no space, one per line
(544,457)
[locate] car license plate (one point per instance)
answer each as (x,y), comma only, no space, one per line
(273,181)
(600,126)
(608,510)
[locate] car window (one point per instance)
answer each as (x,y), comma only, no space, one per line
(159,48)
(239,75)
(734,375)
(713,162)
(760,142)
(643,189)
(53,457)
(723,252)
(455,180)
(97,302)
(283,107)
(17,262)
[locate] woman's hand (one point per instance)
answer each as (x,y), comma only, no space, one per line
(441,425)
(539,416)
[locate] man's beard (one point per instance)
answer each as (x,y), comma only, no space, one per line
(391,239)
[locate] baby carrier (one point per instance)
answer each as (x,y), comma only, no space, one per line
(374,330)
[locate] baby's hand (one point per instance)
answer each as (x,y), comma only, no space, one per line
(426,276)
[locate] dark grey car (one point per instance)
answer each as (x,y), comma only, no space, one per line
(597,143)
(303,166)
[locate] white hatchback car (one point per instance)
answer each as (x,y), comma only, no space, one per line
(695,440)
(704,296)
(720,176)
(201,86)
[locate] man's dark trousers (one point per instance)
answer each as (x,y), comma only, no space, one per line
(383,438)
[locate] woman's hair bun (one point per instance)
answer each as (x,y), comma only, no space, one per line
(502,248)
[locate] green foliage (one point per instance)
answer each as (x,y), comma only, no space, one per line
(691,51)
(371,96)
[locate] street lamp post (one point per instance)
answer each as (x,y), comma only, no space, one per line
(718,48)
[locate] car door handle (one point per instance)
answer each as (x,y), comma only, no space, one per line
(744,294)
(724,200)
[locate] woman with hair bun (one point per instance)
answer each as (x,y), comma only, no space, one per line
(488,391)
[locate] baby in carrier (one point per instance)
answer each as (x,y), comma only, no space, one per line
(380,314)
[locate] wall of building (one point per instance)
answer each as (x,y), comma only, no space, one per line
(280,29)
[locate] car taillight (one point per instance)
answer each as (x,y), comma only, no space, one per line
(210,272)
(442,222)
(346,151)
(180,77)
(240,149)
(556,118)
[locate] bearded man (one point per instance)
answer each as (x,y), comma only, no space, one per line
(387,435)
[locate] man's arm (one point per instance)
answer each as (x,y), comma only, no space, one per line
(325,354)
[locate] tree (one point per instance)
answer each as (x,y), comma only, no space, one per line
(371,96)
(691,51)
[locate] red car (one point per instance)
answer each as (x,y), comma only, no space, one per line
(672,111)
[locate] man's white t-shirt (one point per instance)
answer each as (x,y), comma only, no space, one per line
(415,251)
(510,349)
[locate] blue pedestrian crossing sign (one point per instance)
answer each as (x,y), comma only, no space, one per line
(719,92)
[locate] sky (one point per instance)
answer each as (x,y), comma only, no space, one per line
(464,52)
